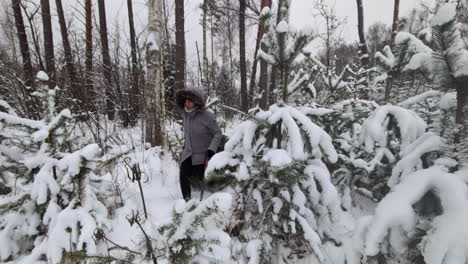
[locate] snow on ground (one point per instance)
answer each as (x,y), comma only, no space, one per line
(160,184)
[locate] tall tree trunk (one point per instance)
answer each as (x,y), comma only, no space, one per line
(242,64)
(106,61)
(389,85)
(396,10)
(231,63)
(154,93)
(205,56)
(76,90)
(212,71)
(90,96)
(34,37)
(24,46)
(262,82)
(180,46)
(48,42)
(135,90)
(362,37)
(27,65)
(274,68)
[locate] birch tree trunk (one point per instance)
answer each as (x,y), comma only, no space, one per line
(154,92)
(48,42)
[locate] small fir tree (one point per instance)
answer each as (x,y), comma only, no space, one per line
(55,207)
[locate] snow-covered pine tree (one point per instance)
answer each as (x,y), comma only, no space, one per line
(54,208)
(284,45)
(433,236)
(195,233)
(331,85)
(285,206)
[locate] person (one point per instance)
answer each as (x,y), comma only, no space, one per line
(202,137)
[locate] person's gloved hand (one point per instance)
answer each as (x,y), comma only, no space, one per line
(209,154)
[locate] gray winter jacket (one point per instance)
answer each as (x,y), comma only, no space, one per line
(201,131)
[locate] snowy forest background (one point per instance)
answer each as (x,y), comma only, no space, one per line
(335,151)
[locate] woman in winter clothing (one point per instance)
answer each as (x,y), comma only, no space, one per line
(202,137)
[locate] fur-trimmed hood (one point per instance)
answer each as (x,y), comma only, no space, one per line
(195,94)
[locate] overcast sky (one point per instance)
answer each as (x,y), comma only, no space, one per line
(374,10)
(301,15)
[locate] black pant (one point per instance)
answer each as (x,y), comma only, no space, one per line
(190,174)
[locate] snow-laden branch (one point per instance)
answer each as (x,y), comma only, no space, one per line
(44,132)
(411,156)
(411,126)
(447,239)
(419,98)
(15,120)
(295,121)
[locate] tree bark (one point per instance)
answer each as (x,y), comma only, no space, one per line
(362,37)
(461,119)
(34,37)
(461,116)
(48,42)
(90,96)
(462,103)
(179,60)
(106,61)
(274,68)
(27,65)
(396,10)
(263,80)
(24,46)
(76,91)
(242,64)
(205,57)
(135,90)
(154,93)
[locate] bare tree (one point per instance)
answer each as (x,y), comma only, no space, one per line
(262,82)
(396,10)
(76,91)
(89,56)
(242,64)
(180,46)
(106,61)
(204,70)
(389,83)
(31,16)
(275,68)
(362,38)
(48,42)
(154,93)
(27,65)
(23,41)
(134,94)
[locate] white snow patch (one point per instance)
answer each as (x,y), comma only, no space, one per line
(42,76)
(445,13)
(277,157)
